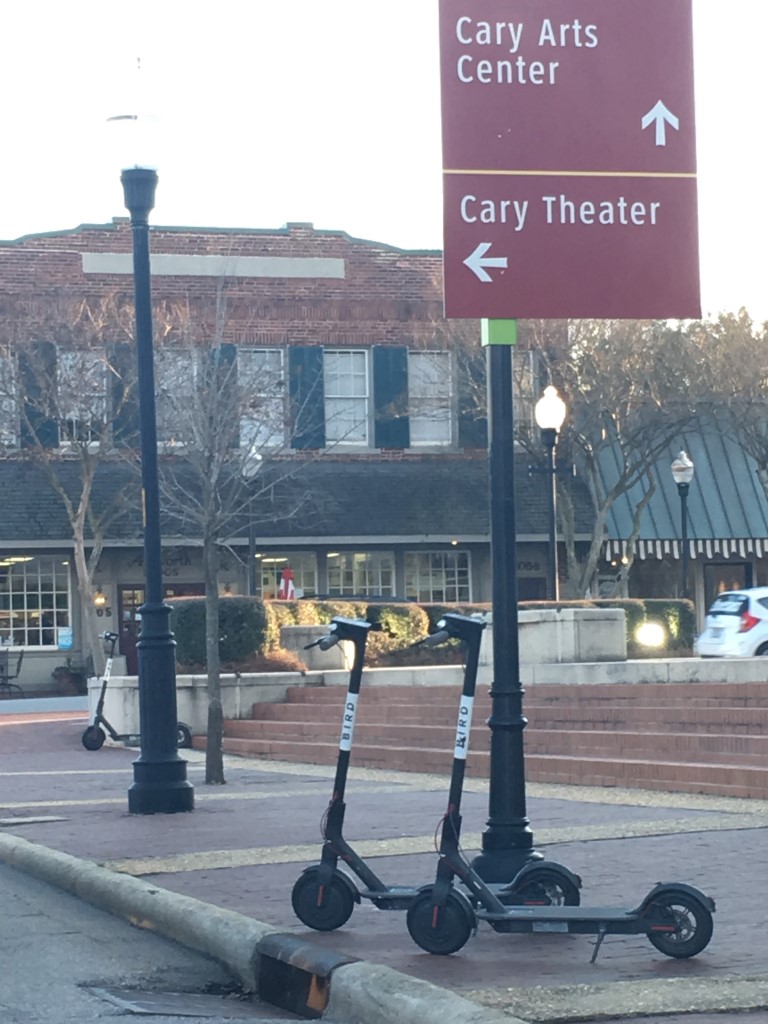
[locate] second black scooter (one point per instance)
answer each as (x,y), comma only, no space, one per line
(323,896)
(676,917)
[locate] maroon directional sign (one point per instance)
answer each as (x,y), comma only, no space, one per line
(569,159)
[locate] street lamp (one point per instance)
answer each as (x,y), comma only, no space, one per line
(507,841)
(550,414)
(160,783)
(682,471)
(250,469)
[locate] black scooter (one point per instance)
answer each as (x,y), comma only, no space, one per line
(676,917)
(94,736)
(324,897)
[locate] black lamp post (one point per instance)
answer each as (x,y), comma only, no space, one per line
(160,783)
(550,414)
(507,842)
(682,471)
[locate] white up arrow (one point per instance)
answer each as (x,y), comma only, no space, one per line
(662,117)
(478,261)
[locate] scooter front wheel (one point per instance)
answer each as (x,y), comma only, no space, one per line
(440,929)
(93,737)
(693,925)
(324,908)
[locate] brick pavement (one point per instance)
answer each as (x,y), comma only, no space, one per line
(246,843)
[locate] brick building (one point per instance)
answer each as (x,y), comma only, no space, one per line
(375,399)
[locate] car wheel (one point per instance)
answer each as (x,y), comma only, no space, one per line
(761,651)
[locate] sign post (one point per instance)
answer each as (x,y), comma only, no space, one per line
(569,182)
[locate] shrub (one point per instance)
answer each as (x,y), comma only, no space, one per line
(242,628)
(678,618)
(396,626)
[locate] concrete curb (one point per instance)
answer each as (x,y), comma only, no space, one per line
(283,968)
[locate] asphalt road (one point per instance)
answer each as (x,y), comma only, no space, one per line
(66,962)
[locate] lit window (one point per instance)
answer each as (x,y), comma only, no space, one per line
(82,403)
(437,577)
(303,566)
(261,379)
(429,397)
(345,380)
(367,573)
(35,601)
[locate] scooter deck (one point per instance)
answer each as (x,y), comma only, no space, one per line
(574,920)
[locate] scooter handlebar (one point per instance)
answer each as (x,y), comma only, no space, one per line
(434,639)
(324,642)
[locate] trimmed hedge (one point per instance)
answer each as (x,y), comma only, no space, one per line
(242,628)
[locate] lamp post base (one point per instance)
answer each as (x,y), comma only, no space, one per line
(160,788)
(503,864)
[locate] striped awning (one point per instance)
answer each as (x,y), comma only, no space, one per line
(709,548)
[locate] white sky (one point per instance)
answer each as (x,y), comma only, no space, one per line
(324,111)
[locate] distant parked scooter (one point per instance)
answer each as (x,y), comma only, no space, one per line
(94,736)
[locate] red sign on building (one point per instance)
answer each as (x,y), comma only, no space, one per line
(569,158)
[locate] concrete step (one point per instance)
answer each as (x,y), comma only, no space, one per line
(743,780)
(585,694)
(697,738)
(716,748)
(659,718)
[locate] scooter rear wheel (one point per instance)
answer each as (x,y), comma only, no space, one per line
(183,736)
(93,737)
(694,925)
(550,888)
(439,930)
(325,910)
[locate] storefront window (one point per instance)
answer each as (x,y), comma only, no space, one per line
(303,568)
(437,577)
(367,573)
(35,604)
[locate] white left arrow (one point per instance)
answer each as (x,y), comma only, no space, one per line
(478,261)
(662,117)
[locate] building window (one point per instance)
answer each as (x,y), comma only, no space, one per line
(176,401)
(436,577)
(429,398)
(261,378)
(9,404)
(367,573)
(347,396)
(82,401)
(303,566)
(35,602)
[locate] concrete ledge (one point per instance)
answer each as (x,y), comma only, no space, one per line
(309,978)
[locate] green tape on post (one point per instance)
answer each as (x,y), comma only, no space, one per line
(498,332)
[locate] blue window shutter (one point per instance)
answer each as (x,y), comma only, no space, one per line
(473,415)
(305,374)
(124,395)
(37,376)
(222,378)
(390,396)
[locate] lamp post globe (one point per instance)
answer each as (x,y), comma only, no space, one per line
(549,413)
(683,471)
(160,783)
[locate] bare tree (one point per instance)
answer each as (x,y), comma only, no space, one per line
(68,393)
(222,413)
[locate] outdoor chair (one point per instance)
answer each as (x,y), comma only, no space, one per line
(7,686)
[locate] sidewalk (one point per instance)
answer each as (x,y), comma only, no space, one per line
(245,844)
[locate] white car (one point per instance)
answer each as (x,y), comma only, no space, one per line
(736,625)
